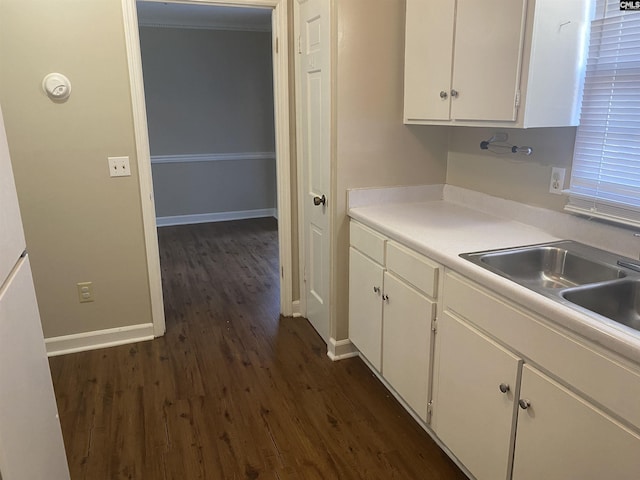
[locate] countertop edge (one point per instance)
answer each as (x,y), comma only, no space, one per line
(613,339)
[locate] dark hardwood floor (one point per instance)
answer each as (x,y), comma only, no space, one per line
(232,391)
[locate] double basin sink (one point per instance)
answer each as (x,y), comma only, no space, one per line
(593,281)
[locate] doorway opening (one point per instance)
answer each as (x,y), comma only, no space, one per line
(191,166)
(208,82)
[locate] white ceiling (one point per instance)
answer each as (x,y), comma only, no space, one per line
(166,14)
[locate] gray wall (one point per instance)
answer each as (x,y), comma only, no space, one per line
(214,187)
(209,92)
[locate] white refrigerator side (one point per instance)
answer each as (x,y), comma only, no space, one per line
(31,445)
(12,242)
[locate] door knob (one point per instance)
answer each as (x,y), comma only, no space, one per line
(454,94)
(524,404)
(504,388)
(444,95)
(320,200)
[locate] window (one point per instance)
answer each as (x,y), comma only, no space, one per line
(605,179)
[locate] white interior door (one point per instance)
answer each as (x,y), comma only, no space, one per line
(314,107)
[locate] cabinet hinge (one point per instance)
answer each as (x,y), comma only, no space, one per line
(277,44)
(429,411)
(304,274)
(518,99)
(434,325)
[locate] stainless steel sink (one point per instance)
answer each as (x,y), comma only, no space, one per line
(594,281)
(619,301)
(549,267)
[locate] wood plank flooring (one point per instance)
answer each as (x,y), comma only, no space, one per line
(232,391)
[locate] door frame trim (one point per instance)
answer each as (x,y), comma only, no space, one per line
(280,30)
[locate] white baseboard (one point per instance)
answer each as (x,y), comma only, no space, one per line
(295,308)
(214,217)
(111,337)
(341,349)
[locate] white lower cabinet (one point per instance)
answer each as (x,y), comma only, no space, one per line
(406,342)
(562,436)
(505,419)
(475,398)
(365,306)
(558,435)
(392,304)
(514,395)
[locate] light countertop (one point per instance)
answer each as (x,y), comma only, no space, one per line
(442,230)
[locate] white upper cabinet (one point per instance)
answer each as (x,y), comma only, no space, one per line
(510,63)
(428,54)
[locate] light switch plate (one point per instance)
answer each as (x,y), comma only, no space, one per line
(119,167)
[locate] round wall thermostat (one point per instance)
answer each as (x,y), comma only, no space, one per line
(57,86)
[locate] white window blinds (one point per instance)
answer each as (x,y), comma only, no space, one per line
(605,178)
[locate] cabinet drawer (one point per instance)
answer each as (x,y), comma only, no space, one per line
(419,271)
(578,363)
(367,241)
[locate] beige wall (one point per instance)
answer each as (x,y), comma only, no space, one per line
(374,148)
(80,224)
(515,177)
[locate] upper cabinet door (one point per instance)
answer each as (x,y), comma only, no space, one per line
(12,242)
(428,54)
(487,59)
(507,63)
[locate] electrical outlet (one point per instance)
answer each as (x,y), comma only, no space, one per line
(119,167)
(85,292)
(556,184)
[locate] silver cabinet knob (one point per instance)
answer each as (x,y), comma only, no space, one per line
(444,95)
(320,200)
(504,388)
(454,94)
(376,290)
(524,404)
(385,298)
